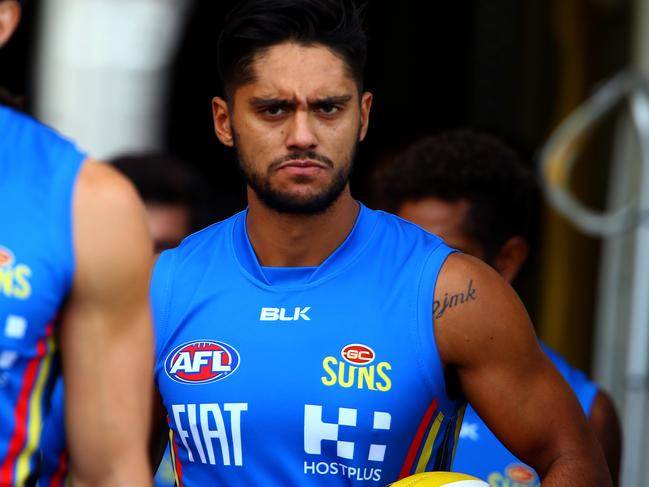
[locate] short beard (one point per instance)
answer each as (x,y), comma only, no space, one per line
(284,202)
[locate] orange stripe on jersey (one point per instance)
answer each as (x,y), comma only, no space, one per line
(17,441)
(178,468)
(416,442)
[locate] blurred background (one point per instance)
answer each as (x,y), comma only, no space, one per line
(130,76)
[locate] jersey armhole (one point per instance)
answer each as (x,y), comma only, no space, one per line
(430,359)
(66,161)
(68,208)
(160,296)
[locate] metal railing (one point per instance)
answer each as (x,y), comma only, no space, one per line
(557,160)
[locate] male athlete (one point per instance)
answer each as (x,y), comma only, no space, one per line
(74,264)
(170,192)
(296,343)
(474,192)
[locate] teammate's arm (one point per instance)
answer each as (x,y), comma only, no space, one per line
(159,431)
(604,421)
(159,436)
(106,336)
(486,341)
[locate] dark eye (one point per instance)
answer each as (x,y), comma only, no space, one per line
(328,108)
(273,111)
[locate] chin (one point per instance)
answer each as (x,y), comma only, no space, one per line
(298,204)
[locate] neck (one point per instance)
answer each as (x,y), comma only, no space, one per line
(288,240)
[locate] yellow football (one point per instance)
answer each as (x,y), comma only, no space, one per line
(440,479)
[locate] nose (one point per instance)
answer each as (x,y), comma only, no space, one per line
(301,134)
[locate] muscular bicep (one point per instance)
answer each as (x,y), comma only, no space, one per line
(489,344)
(106,334)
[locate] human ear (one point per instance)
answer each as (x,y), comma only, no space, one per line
(222,121)
(510,257)
(366,105)
(9,18)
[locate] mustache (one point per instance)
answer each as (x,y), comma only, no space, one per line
(301,155)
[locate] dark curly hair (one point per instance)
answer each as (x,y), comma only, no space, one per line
(464,165)
(254,26)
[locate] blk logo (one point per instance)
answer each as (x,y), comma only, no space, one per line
(284,314)
(316,431)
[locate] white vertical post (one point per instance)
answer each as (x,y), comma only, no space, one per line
(103,70)
(635,404)
(635,466)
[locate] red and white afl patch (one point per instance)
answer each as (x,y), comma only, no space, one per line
(201,362)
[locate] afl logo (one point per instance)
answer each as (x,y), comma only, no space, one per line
(201,362)
(357,354)
(6,257)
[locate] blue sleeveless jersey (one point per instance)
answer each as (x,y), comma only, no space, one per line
(38,170)
(54,455)
(303,376)
(479,453)
(165,475)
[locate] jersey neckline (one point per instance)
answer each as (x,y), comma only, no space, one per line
(345,254)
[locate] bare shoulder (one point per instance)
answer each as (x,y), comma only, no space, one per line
(475,310)
(100,183)
(110,232)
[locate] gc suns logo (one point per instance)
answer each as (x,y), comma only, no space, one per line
(201,362)
(6,257)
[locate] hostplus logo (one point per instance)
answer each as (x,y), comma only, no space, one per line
(337,437)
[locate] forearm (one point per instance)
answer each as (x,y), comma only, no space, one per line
(129,472)
(108,406)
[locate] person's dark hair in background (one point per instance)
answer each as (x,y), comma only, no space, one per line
(473,191)
(7,98)
(336,25)
(172,193)
(10,100)
(470,166)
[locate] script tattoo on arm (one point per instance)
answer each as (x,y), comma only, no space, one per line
(440,307)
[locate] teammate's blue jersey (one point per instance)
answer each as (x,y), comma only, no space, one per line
(479,453)
(165,476)
(38,170)
(54,455)
(326,375)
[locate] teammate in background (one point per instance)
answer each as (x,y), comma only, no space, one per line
(474,192)
(74,265)
(295,341)
(171,195)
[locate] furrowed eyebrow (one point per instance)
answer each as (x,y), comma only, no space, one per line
(332,100)
(271,102)
(257,102)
